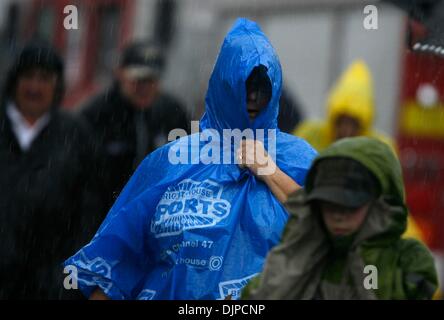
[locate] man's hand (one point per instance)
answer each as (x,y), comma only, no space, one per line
(98,295)
(252,155)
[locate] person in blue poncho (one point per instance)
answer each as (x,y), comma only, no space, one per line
(192,222)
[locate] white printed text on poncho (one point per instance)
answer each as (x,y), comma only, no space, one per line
(189,205)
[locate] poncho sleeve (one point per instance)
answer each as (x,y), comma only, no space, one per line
(117,257)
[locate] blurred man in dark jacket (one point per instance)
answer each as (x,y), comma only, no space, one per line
(44,176)
(132,117)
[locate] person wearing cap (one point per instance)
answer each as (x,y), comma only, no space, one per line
(343,239)
(132,117)
(46,189)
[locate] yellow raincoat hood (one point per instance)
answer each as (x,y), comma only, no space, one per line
(353,96)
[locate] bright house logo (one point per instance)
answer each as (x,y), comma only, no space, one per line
(189,205)
(146,294)
(234,288)
(95,271)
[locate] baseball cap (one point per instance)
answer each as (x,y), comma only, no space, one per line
(142,60)
(343,181)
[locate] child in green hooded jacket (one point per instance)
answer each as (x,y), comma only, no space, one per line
(343,239)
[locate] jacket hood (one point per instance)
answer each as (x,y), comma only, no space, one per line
(353,96)
(380,160)
(244,48)
(36,54)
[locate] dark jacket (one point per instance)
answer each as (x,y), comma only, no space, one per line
(48,198)
(45,195)
(117,139)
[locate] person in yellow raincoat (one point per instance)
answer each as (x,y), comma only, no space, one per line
(350,113)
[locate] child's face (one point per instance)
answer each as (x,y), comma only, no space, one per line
(342,221)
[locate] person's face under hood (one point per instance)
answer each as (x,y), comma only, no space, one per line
(34,92)
(35,81)
(258,88)
(381,162)
(346,126)
(341,221)
(229,103)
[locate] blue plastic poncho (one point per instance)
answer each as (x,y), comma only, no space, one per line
(198,230)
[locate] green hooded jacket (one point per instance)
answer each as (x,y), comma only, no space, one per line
(301,266)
